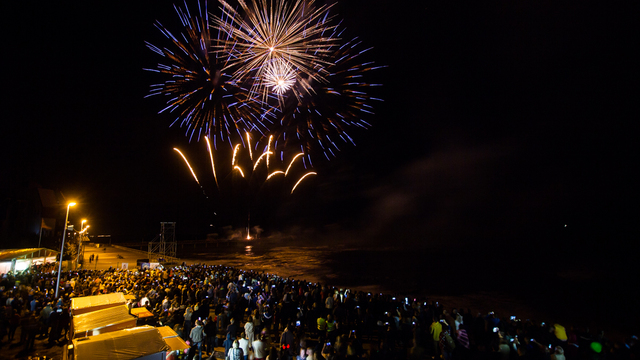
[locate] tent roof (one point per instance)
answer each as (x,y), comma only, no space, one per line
(96,300)
(167,332)
(120,345)
(141,312)
(10,254)
(176,343)
(101,318)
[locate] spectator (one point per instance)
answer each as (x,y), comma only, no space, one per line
(558,354)
(235,353)
(197,337)
(228,344)
(232,329)
(259,350)
(435,329)
(287,341)
(244,345)
(446,343)
(248,329)
(210,329)
(14,322)
(187,320)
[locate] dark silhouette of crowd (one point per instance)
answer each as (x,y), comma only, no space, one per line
(263,316)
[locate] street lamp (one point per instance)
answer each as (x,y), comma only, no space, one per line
(83,238)
(82,224)
(64,233)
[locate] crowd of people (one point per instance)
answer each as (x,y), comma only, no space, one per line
(256,315)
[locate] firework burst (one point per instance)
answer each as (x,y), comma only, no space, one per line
(279,76)
(319,122)
(201,97)
(297,34)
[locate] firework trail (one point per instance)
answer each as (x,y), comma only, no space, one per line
(201,97)
(235,152)
(236,166)
(268,148)
(187,162)
(276,32)
(239,169)
(253,180)
(291,163)
(274,173)
(213,168)
(192,172)
(302,178)
(249,145)
(266,153)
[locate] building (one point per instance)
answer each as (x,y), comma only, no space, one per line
(21,259)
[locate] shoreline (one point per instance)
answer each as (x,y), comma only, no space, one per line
(291,261)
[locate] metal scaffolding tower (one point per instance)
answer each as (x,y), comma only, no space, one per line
(163,247)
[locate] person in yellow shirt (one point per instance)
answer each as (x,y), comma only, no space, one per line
(331,328)
(435,329)
(322,325)
(560,332)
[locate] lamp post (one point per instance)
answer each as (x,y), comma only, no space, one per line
(40,236)
(82,224)
(83,236)
(64,233)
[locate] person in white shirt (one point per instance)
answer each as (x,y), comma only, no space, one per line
(235,353)
(243,343)
(248,329)
(259,352)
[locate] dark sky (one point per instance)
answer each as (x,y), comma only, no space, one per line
(502,122)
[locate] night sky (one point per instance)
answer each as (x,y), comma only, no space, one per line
(502,123)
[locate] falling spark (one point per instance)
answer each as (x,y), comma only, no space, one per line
(266,153)
(303,176)
(239,169)
(268,148)
(211,157)
(291,163)
(249,146)
(274,173)
(235,151)
(185,160)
